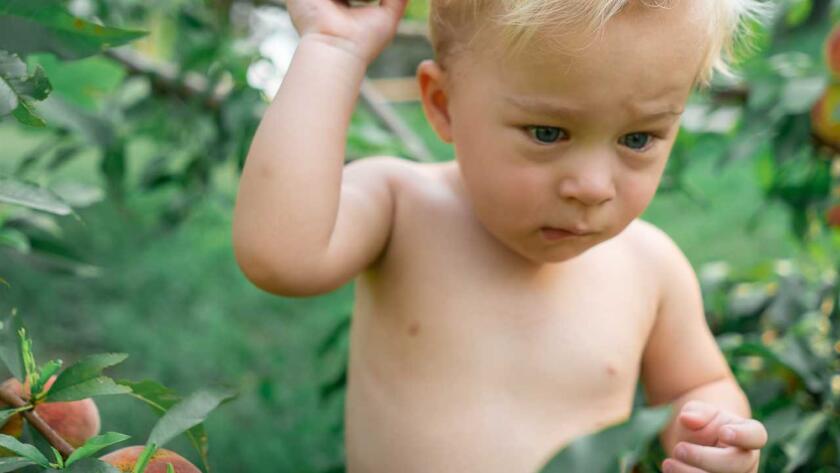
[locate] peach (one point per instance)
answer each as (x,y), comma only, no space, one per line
(832,216)
(74,421)
(825,119)
(832,51)
(125,458)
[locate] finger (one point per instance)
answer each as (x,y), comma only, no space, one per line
(395,7)
(675,466)
(696,414)
(750,434)
(717,459)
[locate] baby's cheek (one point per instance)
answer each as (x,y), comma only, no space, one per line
(637,194)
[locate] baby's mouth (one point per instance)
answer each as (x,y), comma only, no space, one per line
(552,233)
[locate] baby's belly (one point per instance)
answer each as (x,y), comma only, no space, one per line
(478,404)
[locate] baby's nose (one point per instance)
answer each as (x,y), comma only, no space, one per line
(590,189)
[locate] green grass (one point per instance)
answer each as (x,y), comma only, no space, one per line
(177,303)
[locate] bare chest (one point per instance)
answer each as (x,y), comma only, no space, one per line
(449,342)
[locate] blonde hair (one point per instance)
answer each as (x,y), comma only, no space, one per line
(454,25)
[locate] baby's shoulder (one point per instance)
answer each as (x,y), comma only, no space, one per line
(407,179)
(654,248)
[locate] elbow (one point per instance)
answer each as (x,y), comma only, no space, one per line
(289,279)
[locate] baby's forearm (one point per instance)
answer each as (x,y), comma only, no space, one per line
(289,190)
(724,393)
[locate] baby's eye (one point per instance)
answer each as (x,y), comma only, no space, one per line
(545,134)
(637,141)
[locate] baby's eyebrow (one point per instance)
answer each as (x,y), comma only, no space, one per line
(542,107)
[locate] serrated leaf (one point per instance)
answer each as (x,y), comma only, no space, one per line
(14,463)
(24,450)
(95,444)
(28,26)
(101,386)
(14,191)
(160,399)
(16,85)
(81,376)
(186,414)
(10,345)
(91,465)
(615,448)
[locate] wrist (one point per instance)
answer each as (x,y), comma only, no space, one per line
(343,47)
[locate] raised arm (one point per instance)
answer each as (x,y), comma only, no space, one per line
(303,224)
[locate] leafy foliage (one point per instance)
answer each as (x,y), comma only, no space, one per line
(193,106)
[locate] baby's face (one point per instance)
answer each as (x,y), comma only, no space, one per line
(577,143)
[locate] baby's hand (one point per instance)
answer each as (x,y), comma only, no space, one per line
(713,440)
(363,31)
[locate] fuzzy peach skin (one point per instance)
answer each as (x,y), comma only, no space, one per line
(74,421)
(825,121)
(832,51)
(125,458)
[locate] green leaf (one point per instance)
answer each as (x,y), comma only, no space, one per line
(17,87)
(14,463)
(85,82)
(143,458)
(14,191)
(84,379)
(170,468)
(28,357)
(10,344)
(24,450)
(91,465)
(160,399)
(15,239)
(48,369)
(186,414)
(28,26)
(799,94)
(59,460)
(616,448)
(99,386)
(800,448)
(6,413)
(95,444)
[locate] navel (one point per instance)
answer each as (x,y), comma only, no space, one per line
(414,329)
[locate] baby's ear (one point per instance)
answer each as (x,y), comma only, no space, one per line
(431,79)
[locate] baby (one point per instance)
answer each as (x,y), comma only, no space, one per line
(509,301)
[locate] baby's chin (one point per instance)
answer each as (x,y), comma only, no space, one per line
(542,252)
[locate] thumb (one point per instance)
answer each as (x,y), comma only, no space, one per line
(395,7)
(695,414)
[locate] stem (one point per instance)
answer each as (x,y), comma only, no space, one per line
(12,399)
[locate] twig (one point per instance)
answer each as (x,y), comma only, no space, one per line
(388,117)
(52,437)
(165,79)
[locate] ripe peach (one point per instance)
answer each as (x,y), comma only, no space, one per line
(832,216)
(74,421)
(125,458)
(832,51)
(825,121)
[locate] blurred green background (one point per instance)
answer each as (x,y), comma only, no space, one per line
(147,268)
